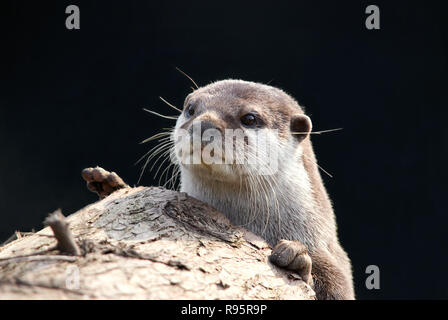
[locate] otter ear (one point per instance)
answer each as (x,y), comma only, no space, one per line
(300,126)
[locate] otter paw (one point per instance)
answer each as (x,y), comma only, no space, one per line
(293,255)
(102,182)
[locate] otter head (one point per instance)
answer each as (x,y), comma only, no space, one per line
(232,130)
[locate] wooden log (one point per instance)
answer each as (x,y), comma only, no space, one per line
(146,243)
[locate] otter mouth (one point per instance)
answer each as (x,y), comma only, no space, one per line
(232,152)
(200,157)
(225,172)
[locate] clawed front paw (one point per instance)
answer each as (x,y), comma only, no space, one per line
(102,181)
(293,255)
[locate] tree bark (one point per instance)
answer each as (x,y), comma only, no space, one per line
(146,243)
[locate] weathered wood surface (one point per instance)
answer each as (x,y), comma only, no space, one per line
(147,243)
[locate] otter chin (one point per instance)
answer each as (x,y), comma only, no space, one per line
(245,148)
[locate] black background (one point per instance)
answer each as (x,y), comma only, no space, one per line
(73,98)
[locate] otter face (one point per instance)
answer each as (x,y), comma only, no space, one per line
(232,129)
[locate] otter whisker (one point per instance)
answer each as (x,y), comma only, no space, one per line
(268,211)
(160,151)
(265,184)
(165,171)
(158,148)
(253,196)
(161,115)
(174,172)
(197,87)
(157,135)
(254,189)
(164,154)
(319,132)
(176,179)
(171,182)
(158,145)
(173,163)
(170,105)
(323,170)
(272,185)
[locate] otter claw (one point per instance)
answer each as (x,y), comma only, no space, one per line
(102,182)
(293,255)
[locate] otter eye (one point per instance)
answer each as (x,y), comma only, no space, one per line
(249,120)
(190,110)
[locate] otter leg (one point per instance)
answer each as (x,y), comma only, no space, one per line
(101,181)
(332,277)
(293,255)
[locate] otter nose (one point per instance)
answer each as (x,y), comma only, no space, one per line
(204,131)
(199,127)
(206,125)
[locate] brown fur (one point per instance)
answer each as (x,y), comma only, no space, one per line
(223,103)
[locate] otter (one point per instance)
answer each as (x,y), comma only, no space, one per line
(285,203)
